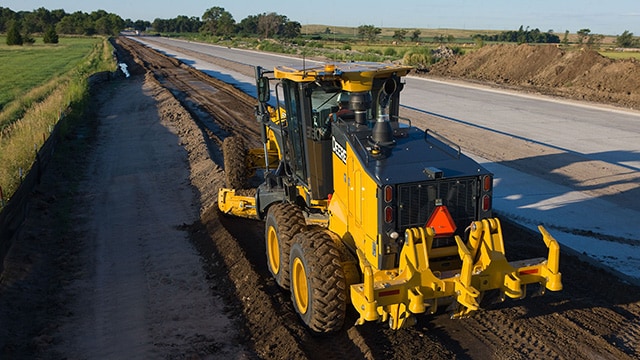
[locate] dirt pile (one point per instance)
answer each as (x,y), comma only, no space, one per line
(548,69)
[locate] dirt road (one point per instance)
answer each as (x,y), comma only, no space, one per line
(143,288)
(150,269)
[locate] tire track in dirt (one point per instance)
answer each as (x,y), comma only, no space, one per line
(220,107)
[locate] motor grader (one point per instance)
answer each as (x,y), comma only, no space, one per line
(363,208)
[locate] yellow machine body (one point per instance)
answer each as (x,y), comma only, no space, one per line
(380,183)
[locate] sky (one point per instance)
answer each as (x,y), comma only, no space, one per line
(601,17)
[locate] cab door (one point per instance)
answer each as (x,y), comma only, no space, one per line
(297,154)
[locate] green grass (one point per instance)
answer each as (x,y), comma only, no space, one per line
(26,67)
(621,55)
(50,80)
(345,32)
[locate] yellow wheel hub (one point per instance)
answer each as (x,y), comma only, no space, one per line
(273,248)
(299,286)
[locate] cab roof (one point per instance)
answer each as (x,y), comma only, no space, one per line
(354,76)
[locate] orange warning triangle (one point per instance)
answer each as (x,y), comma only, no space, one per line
(441,222)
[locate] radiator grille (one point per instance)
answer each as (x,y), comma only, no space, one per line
(416,202)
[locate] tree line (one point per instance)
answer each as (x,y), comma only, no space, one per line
(217,21)
(522,36)
(20,25)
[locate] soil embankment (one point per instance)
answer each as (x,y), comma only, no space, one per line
(548,69)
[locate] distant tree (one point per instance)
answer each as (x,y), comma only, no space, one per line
(103,26)
(28,39)
(273,24)
(415,35)
(141,25)
(50,36)
(179,24)
(218,21)
(248,26)
(368,32)
(57,15)
(399,35)
(582,34)
(13,34)
(522,35)
(98,22)
(626,40)
(565,39)
(6,16)
(268,24)
(73,23)
(30,22)
(291,29)
(39,20)
(109,24)
(594,40)
(327,31)
(159,25)
(186,24)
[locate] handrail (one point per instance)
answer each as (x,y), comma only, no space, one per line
(403,119)
(364,150)
(444,140)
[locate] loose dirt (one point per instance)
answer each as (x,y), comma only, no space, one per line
(578,74)
(146,266)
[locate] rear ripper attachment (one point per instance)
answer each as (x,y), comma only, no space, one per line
(414,287)
(363,208)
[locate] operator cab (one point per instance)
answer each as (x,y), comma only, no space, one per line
(313,107)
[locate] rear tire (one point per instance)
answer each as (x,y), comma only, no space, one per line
(318,286)
(283,222)
(234,155)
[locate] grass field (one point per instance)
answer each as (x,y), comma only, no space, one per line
(39,83)
(621,55)
(26,67)
(351,32)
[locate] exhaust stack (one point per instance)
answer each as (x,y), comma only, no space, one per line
(382,134)
(359,103)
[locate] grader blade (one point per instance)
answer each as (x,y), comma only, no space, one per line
(237,205)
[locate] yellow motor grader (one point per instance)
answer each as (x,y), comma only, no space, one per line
(362,208)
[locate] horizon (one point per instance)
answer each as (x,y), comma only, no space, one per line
(610,18)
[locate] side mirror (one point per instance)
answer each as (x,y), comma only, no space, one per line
(264,93)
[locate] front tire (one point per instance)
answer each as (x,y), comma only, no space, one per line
(283,222)
(318,285)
